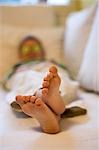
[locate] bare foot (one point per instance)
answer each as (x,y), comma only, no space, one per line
(33,106)
(50,91)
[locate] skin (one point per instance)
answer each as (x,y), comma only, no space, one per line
(46,105)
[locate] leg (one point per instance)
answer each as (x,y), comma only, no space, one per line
(34,106)
(50,91)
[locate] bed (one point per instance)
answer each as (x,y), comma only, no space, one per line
(19,132)
(78,133)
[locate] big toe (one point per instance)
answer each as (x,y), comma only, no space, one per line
(19,100)
(49,76)
(53,70)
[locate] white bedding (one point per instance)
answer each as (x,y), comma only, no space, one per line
(20,133)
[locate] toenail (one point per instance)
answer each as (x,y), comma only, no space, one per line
(28,98)
(32,99)
(44,91)
(18,97)
(38,102)
(53,69)
(45,84)
(24,99)
(50,75)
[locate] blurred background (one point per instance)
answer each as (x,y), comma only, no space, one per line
(44,18)
(60,8)
(49,2)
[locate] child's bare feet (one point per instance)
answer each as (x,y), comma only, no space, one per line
(50,91)
(33,106)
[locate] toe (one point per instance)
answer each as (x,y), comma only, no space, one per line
(45,91)
(53,69)
(32,99)
(27,108)
(19,99)
(45,84)
(27,99)
(38,102)
(48,77)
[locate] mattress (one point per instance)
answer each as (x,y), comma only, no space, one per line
(18,132)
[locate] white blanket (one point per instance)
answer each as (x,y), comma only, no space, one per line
(28,81)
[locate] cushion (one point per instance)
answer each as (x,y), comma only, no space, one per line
(77,29)
(89,71)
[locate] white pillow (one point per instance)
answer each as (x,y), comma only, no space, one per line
(77,31)
(89,72)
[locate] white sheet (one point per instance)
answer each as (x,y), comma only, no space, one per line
(20,133)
